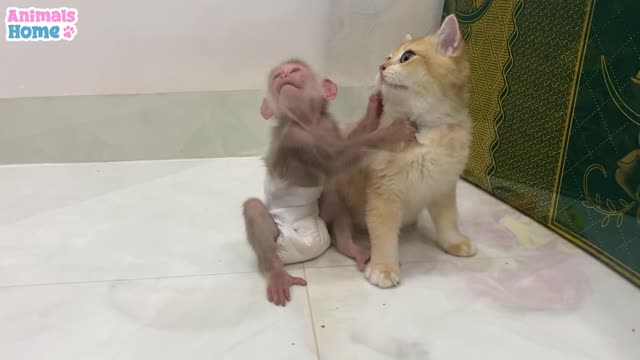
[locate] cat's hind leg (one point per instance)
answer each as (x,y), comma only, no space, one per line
(444,213)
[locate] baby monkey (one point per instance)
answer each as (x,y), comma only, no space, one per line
(306,148)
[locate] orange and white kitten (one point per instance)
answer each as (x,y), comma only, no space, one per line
(425,79)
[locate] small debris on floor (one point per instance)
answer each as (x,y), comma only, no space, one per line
(293,343)
(322,326)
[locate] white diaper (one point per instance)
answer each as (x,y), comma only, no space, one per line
(303,240)
(303,234)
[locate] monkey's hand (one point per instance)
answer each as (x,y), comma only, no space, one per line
(278,284)
(371,119)
(401,130)
(374,112)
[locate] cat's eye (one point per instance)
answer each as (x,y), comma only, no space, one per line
(406,56)
(294,70)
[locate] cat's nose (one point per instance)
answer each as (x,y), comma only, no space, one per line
(382,68)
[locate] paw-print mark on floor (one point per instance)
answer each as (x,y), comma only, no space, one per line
(69,32)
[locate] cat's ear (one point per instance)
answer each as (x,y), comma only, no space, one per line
(265,110)
(449,36)
(407,37)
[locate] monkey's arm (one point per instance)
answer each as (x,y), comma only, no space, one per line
(399,131)
(324,151)
(364,127)
(354,151)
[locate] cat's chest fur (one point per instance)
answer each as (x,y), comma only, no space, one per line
(433,166)
(426,111)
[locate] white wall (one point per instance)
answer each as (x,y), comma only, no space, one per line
(146,46)
(363,32)
(124,47)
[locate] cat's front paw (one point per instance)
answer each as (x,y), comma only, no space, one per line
(461,246)
(383,275)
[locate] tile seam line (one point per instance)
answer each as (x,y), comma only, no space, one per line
(305,268)
(125,279)
(311,317)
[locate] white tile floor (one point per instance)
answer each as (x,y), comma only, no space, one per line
(147,260)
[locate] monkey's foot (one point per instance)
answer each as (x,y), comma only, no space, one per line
(461,246)
(383,275)
(360,254)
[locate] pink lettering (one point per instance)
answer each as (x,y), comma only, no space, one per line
(12,16)
(40,15)
(43,16)
(71,16)
(55,16)
(24,16)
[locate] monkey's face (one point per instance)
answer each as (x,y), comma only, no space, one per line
(290,77)
(294,83)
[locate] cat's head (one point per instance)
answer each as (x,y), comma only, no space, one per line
(433,66)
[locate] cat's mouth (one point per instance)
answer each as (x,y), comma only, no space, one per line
(391,85)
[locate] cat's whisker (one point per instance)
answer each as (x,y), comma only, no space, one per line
(389,82)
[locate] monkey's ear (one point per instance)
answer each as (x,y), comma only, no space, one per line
(407,37)
(449,37)
(265,110)
(329,89)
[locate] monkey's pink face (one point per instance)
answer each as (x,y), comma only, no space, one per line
(295,81)
(291,76)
